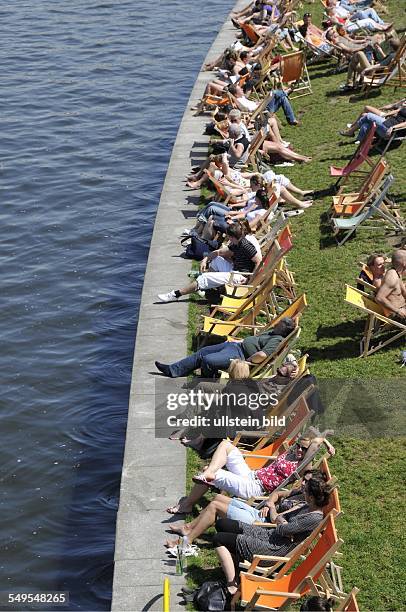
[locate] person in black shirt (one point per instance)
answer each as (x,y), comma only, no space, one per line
(241,255)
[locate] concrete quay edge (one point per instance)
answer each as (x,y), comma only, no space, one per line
(154,470)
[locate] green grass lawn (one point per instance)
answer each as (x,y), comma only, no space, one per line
(370,451)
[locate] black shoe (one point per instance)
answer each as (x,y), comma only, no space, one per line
(165,369)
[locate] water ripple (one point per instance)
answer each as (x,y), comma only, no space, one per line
(92,95)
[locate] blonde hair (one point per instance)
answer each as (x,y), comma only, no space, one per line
(239,369)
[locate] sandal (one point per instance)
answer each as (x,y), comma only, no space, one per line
(200,479)
(176,509)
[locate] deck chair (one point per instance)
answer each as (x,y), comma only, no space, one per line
(398,135)
(266,233)
(262,455)
(222,191)
(378,322)
(284,408)
(351,203)
(249,31)
(307,563)
(294,73)
(350,604)
(393,74)
(375,203)
(358,159)
(253,148)
(242,316)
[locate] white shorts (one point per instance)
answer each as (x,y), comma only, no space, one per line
(210,280)
(238,480)
(219,275)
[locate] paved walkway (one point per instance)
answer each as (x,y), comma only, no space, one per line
(153,474)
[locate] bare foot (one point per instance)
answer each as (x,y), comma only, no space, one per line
(193,185)
(306,204)
(171,543)
(182,529)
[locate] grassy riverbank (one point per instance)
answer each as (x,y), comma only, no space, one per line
(369,463)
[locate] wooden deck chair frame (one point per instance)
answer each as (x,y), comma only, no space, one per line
(260,439)
(393,74)
(267,232)
(372,181)
(240,317)
(377,321)
(253,148)
(349,226)
(350,604)
(352,169)
(316,551)
(267,449)
(294,72)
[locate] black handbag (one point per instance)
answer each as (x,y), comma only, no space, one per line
(211,596)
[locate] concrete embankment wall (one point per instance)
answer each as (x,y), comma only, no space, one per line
(153,475)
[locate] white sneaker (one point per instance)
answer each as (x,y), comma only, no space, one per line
(201,293)
(191,550)
(168,297)
(349,125)
(186,232)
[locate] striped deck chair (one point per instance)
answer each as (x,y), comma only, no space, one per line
(378,325)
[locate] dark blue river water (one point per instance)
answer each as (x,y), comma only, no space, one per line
(92,94)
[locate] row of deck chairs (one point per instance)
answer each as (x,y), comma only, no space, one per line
(354,210)
(311,567)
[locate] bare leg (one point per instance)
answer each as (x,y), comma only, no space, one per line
(290,199)
(291,187)
(271,147)
(218,460)
(207,517)
(273,124)
(227,565)
(192,288)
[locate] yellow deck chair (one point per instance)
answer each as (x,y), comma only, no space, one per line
(378,321)
(242,316)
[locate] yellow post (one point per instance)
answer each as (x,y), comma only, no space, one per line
(167,595)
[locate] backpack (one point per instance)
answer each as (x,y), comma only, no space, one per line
(198,247)
(211,596)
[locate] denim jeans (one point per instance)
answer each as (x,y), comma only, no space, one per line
(210,359)
(280,99)
(355,7)
(365,123)
(212,208)
(368,13)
